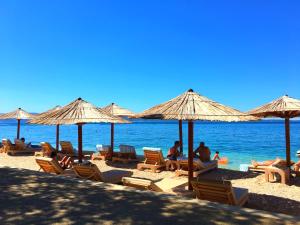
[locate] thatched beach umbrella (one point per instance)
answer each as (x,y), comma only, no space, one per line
(191,106)
(46,113)
(284,107)
(19,115)
(78,112)
(116,110)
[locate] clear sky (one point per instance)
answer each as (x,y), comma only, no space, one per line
(140,53)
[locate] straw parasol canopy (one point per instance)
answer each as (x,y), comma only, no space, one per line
(77,112)
(48,112)
(192,106)
(19,115)
(283,107)
(116,110)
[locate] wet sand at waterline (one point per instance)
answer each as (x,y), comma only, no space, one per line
(274,197)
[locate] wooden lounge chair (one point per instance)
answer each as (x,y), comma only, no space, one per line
(103,152)
(283,173)
(47,149)
(127,154)
(23,148)
(154,160)
(67,148)
(199,167)
(168,185)
(219,191)
(258,168)
(49,165)
(91,172)
(8,147)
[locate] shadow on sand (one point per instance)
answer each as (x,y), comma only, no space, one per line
(29,197)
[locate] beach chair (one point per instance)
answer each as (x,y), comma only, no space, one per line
(219,191)
(67,148)
(271,172)
(282,163)
(103,152)
(127,154)
(199,167)
(91,172)
(154,160)
(47,149)
(49,165)
(167,185)
(8,147)
(22,148)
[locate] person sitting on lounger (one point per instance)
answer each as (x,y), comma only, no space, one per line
(27,145)
(173,152)
(64,161)
(202,152)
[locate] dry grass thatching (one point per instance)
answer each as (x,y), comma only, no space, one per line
(58,107)
(116,110)
(192,106)
(284,107)
(18,114)
(77,112)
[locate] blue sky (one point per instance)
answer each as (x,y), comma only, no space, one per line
(140,53)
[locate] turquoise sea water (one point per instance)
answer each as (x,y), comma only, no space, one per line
(240,142)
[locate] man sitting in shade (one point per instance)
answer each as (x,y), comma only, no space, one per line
(202,152)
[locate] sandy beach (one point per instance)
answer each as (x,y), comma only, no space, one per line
(273,197)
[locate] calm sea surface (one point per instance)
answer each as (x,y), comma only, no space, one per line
(240,142)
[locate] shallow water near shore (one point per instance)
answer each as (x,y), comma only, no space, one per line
(239,142)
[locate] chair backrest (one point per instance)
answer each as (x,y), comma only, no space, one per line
(90,172)
(153,156)
(49,165)
(7,144)
(103,149)
(212,190)
(138,183)
(128,150)
(47,149)
(67,147)
(20,145)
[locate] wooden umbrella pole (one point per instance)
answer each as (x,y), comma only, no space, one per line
(112,132)
(57,137)
(191,151)
(80,142)
(287,141)
(18,129)
(180,136)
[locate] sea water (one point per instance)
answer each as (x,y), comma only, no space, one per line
(240,142)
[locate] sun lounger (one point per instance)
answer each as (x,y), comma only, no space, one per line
(49,165)
(259,168)
(199,167)
(91,172)
(23,148)
(67,148)
(272,171)
(8,147)
(127,154)
(168,185)
(219,191)
(154,160)
(47,149)
(103,151)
